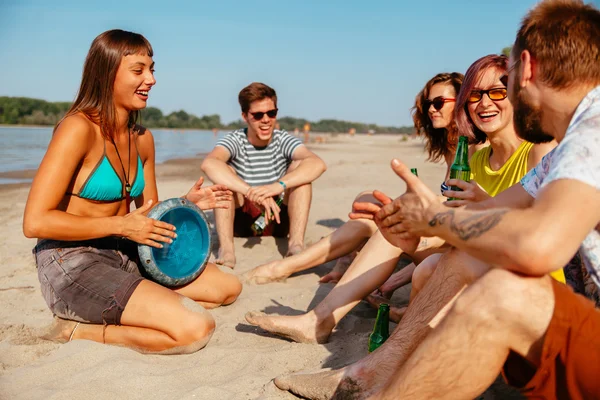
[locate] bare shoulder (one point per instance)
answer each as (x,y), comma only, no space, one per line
(144,139)
(75,129)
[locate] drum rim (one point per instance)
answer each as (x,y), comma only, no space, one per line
(145,252)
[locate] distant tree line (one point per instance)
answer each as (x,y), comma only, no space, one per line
(28,111)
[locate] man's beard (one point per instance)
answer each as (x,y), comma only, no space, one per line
(528,119)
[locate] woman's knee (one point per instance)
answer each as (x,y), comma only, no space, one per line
(423,271)
(231,290)
(195,328)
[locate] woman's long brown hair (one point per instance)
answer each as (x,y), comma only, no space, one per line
(439,142)
(95,96)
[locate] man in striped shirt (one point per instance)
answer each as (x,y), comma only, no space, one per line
(259,164)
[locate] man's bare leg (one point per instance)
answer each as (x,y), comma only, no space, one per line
(373,265)
(456,269)
(503,312)
(224,222)
(298,208)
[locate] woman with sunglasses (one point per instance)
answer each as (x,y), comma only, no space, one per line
(433,118)
(97,162)
(484,114)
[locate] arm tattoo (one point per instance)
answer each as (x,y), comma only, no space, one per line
(471,227)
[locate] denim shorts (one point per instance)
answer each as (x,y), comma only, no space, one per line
(88,281)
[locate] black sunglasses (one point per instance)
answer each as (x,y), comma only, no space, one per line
(504,76)
(259,115)
(495,94)
(438,102)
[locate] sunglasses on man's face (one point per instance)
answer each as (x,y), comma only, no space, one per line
(495,94)
(259,115)
(438,102)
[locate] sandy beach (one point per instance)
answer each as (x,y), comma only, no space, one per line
(240,361)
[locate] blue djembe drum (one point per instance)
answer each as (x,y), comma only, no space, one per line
(183,260)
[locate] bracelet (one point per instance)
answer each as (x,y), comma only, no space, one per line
(282,183)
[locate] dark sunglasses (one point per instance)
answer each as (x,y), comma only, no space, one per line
(504,76)
(438,102)
(259,115)
(495,94)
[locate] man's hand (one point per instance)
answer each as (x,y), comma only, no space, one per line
(215,196)
(258,194)
(271,210)
(407,217)
(471,193)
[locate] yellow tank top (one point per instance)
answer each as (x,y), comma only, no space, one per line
(494,182)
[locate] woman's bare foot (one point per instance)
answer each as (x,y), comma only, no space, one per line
(60,330)
(294,249)
(267,273)
(396,313)
(351,382)
(340,268)
(226,258)
(301,328)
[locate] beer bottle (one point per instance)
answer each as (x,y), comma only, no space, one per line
(414,171)
(260,223)
(381,331)
(460,168)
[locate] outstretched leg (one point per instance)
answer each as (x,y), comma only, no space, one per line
(373,265)
(498,314)
(456,269)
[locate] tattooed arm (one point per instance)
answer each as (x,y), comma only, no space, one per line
(534,240)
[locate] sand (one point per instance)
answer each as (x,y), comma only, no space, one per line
(240,361)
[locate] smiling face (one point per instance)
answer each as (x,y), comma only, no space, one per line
(260,131)
(443,117)
(488,115)
(133,81)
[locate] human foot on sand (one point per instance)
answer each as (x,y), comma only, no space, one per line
(340,268)
(346,383)
(294,249)
(267,273)
(396,313)
(301,328)
(226,258)
(60,331)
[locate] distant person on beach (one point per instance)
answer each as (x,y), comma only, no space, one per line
(97,162)
(433,116)
(262,165)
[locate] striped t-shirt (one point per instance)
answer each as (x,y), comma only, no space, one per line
(260,165)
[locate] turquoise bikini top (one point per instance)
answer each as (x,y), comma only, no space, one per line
(104,184)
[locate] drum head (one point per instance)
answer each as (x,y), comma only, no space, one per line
(183,260)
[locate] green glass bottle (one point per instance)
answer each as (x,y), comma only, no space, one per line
(460,168)
(381,331)
(260,223)
(414,171)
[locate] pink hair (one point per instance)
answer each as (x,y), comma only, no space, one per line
(466,127)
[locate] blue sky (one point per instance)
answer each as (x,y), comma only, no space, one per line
(343,59)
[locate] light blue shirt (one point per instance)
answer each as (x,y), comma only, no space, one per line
(576,157)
